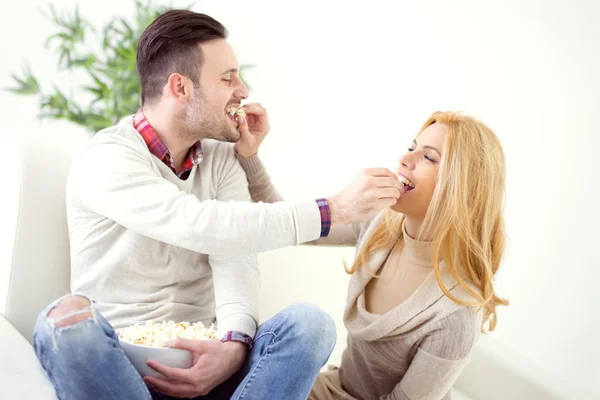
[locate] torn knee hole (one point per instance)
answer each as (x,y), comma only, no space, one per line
(70,310)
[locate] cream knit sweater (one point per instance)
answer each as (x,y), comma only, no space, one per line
(146,245)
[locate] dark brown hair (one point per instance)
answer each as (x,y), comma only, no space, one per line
(171,44)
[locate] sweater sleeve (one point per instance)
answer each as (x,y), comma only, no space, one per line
(440,359)
(236,277)
(116,181)
(428,378)
(262,190)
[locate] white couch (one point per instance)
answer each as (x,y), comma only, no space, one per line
(34,270)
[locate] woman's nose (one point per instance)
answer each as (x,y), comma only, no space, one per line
(407,161)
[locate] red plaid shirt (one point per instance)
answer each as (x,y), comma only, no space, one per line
(160,150)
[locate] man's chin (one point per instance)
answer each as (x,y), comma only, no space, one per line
(232,136)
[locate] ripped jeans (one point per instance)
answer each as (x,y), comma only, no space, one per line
(85,361)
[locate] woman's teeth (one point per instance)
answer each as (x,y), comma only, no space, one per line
(408,184)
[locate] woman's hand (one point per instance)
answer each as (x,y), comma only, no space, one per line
(253,129)
(214,363)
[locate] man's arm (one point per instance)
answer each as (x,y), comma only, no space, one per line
(375,188)
(236,277)
(119,183)
(262,190)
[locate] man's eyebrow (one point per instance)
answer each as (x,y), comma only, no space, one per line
(230,71)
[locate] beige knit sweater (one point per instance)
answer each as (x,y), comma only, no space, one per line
(416,350)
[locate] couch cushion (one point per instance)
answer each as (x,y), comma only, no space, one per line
(38,242)
(21,375)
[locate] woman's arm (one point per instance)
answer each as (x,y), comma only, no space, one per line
(428,378)
(262,190)
(440,358)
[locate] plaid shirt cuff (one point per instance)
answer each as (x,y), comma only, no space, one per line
(325,217)
(236,336)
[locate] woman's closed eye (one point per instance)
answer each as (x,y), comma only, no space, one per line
(430,159)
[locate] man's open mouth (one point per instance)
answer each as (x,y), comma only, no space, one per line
(235,112)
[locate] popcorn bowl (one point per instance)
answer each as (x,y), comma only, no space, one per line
(146,342)
(138,355)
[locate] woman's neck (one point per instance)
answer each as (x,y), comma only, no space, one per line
(412,226)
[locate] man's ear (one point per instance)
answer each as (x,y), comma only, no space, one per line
(179,88)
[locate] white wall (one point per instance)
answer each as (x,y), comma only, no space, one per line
(348,85)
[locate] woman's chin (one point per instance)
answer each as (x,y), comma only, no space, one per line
(398,207)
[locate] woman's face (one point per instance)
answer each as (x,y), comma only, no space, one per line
(419,168)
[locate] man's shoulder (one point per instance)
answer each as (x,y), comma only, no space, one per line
(121,136)
(121,133)
(112,148)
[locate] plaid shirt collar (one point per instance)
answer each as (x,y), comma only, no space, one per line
(160,150)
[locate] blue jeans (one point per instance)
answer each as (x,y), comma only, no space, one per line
(85,361)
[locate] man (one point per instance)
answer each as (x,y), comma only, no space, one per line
(162,228)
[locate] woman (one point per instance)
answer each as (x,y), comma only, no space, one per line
(422,285)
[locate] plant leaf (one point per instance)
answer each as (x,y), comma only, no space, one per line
(85,62)
(27,85)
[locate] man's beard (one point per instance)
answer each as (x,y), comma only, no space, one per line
(206,121)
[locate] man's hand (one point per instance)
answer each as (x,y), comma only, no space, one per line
(253,129)
(214,363)
(371,191)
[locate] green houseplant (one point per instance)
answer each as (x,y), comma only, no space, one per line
(108,62)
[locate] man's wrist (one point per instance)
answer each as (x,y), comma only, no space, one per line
(237,350)
(244,154)
(237,346)
(335,210)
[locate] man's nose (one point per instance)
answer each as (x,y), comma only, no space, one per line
(242,91)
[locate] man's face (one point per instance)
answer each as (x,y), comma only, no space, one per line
(220,89)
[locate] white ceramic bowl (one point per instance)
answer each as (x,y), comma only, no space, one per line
(139,354)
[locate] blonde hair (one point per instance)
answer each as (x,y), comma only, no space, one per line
(465,216)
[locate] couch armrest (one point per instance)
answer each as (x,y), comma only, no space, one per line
(21,375)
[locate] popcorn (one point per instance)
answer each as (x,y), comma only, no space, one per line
(240,112)
(155,334)
(236,112)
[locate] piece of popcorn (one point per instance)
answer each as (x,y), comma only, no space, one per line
(236,112)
